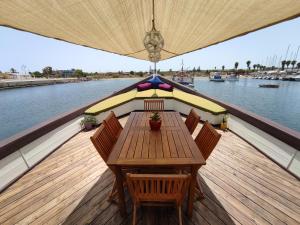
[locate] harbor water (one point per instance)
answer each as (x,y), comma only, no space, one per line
(23,108)
(282,105)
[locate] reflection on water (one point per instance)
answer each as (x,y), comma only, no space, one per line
(281,105)
(25,107)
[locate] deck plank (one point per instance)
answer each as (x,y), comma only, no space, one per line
(259,190)
(71,186)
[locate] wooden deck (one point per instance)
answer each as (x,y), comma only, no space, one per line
(71,186)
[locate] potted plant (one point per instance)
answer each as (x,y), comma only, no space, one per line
(88,122)
(155,121)
(223,125)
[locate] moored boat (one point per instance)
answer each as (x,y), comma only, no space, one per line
(297,78)
(269,85)
(216,77)
(184,78)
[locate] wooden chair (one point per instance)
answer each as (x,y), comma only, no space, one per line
(151,189)
(192,121)
(113,125)
(206,141)
(104,142)
(152,105)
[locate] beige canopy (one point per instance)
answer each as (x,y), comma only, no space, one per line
(119,26)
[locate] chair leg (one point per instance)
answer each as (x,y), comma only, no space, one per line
(199,189)
(113,192)
(134,214)
(179,215)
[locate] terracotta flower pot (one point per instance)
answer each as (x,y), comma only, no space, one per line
(88,126)
(223,126)
(155,125)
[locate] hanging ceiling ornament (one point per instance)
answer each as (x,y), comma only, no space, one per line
(153,41)
(154,57)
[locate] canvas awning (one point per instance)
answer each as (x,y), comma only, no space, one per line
(119,26)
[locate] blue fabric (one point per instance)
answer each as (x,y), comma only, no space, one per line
(155,81)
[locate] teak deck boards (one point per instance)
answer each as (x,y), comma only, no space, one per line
(71,186)
(172,145)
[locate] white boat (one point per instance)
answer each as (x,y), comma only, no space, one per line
(297,78)
(216,77)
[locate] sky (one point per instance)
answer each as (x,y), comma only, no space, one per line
(22,50)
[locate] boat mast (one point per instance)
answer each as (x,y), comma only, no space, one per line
(296,55)
(279,62)
(287,52)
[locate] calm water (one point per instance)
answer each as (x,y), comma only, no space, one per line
(281,105)
(25,107)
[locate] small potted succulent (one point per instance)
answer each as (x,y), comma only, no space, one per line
(223,125)
(155,121)
(88,122)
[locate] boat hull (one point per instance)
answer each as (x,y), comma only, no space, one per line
(269,85)
(217,80)
(22,152)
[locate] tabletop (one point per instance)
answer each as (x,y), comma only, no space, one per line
(172,145)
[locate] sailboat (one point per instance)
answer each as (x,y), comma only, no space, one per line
(184,78)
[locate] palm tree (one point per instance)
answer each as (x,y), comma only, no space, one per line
(248,64)
(298,65)
(13,70)
(288,63)
(283,63)
(236,65)
(262,67)
(254,66)
(258,66)
(293,63)
(223,67)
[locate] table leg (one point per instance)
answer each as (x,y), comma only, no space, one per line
(194,171)
(121,200)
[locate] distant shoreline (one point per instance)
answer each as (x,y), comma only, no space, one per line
(32,82)
(14,83)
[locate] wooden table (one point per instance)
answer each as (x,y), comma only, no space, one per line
(138,146)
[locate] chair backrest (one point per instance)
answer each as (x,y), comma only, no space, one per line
(154,105)
(158,187)
(113,125)
(103,141)
(207,139)
(192,121)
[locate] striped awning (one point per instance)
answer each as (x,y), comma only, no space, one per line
(119,26)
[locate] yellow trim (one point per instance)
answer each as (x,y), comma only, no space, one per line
(112,102)
(149,93)
(164,94)
(145,94)
(197,101)
(190,99)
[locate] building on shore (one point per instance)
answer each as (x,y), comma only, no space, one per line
(18,76)
(65,73)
